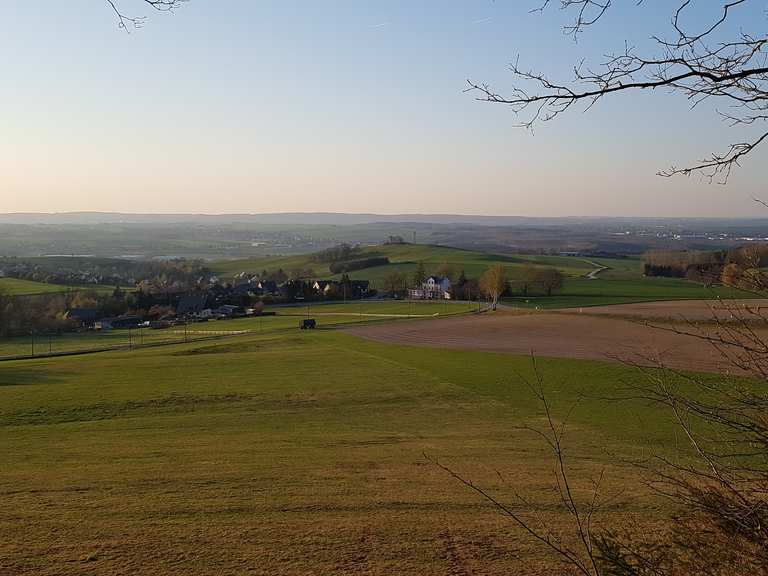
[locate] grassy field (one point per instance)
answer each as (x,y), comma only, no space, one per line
(327,315)
(621,282)
(289,452)
(17,287)
(382,308)
(579,292)
(405,258)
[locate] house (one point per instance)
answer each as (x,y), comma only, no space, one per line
(84,317)
(266,287)
(433,288)
(191,305)
(324,286)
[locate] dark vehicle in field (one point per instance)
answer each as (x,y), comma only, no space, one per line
(307,324)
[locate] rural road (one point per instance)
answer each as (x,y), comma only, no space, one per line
(592,275)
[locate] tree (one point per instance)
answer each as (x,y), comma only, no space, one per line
(493,282)
(126,22)
(549,279)
(419,275)
(718,61)
(526,279)
(446,270)
(395,283)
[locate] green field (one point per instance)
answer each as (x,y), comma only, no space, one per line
(292,452)
(285,320)
(579,292)
(405,258)
(622,281)
(17,287)
(382,308)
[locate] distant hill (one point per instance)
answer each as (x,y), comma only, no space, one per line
(343,219)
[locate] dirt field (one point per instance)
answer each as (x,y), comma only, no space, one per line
(690,310)
(586,335)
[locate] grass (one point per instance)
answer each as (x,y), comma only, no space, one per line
(286,452)
(622,282)
(18,287)
(328,315)
(405,258)
(382,307)
(578,292)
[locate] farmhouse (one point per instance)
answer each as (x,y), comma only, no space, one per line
(433,288)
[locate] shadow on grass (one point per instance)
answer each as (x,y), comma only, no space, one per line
(26,377)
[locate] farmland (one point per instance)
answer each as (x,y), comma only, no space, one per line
(18,287)
(284,320)
(622,281)
(405,258)
(289,452)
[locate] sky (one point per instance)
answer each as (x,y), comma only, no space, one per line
(235,106)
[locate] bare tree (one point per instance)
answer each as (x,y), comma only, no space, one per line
(493,282)
(716,62)
(550,279)
(395,283)
(126,22)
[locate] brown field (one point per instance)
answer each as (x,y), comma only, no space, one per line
(681,310)
(614,333)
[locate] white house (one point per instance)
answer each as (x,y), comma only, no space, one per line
(433,288)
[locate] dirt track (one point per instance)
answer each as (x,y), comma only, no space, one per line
(555,334)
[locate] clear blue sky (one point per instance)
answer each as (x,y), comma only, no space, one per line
(263,106)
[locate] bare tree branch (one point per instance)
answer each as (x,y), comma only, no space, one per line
(126,22)
(697,64)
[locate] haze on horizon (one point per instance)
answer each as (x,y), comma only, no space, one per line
(286,106)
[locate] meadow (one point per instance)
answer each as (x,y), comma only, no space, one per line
(622,281)
(18,287)
(286,318)
(290,451)
(405,258)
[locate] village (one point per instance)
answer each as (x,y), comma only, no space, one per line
(245,296)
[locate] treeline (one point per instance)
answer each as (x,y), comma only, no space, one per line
(705,266)
(154,274)
(352,265)
(20,315)
(337,253)
(527,281)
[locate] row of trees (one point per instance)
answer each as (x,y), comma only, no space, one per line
(493,283)
(154,275)
(708,267)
